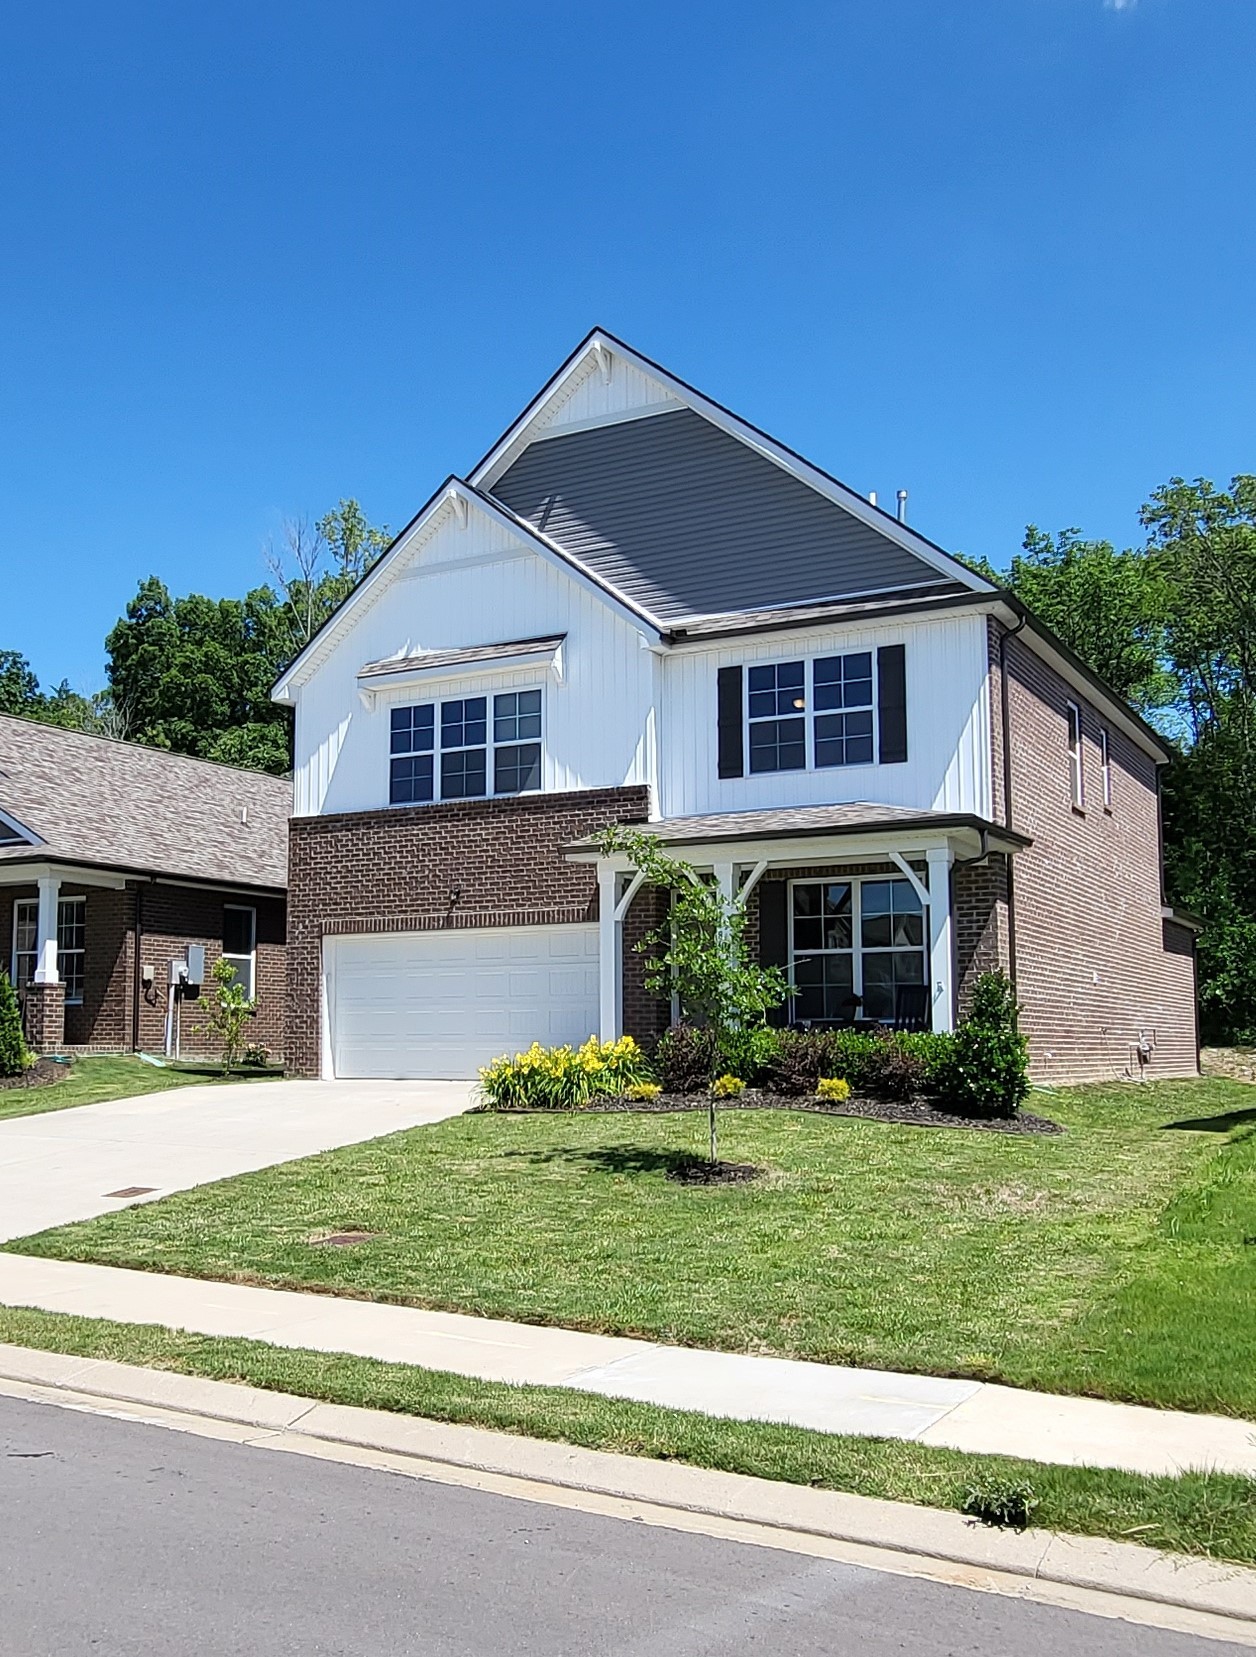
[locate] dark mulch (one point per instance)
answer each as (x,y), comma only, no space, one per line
(41,1074)
(912,1113)
(696,1170)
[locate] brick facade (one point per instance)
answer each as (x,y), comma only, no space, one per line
(466,863)
(43,1017)
(1091,963)
(117,1013)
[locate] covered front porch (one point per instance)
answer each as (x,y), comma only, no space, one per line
(45,921)
(877,915)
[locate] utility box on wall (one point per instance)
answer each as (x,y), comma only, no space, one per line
(196,965)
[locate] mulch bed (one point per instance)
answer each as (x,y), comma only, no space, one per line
(912,1113)
(41,1074)
(696,1170)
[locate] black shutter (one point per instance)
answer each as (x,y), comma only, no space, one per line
(892,703)
(729,722)
(774,936)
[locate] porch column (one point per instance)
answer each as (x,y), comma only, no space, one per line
(941,971)
(46,931)
(609,951)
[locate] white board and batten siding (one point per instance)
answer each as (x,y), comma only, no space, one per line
(441,1004)
(463,587)
(948,724)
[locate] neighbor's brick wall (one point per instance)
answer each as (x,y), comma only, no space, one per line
(173,917)
(1092,969)
(465,863)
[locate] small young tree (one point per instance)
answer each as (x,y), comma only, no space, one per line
(229,1011)
(15,1056)
(699,951)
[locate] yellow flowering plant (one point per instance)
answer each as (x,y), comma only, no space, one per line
(562,1078)
(727,1087)
(834,1089)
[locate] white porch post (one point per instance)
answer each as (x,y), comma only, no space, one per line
(609,933)
(941,971)
(46,933)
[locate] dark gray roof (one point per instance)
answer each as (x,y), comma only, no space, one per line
(118,805)
(788,821)
(685,520)
(458,658)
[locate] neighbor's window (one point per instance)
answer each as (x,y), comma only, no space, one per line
(71,944)
(25,940)
(239,944)
(1105,769)
(852,944)
(71,947)
(469,752)
(1077,781)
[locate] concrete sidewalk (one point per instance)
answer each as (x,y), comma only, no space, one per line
(61,1165)
(965,1415)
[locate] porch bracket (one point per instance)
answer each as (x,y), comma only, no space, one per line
(752,880)
(630,892)
(901,863)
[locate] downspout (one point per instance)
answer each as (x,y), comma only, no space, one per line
(1006,714)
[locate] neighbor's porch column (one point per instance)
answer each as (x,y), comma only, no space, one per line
(46,931)
(609,931)
(941,970)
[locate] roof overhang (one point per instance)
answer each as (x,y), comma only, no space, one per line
(435,666)
(24,868)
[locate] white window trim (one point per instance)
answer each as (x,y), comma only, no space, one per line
(66,954)
(18,905)
(490,746)
(251,956)
(809,714)
(1076,760)
(1105,766)
(857,951)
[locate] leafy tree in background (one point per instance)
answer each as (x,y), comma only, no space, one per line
(316,569)
(20,694)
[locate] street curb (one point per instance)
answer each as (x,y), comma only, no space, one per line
(1085,1563)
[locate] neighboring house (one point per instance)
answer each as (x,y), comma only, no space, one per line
(114,859)
(638,608)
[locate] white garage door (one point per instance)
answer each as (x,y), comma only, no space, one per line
(440,1004)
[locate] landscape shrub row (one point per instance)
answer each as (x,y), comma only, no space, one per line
(981,1068)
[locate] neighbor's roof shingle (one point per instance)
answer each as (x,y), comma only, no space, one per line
(95,801)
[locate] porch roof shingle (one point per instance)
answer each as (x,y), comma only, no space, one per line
(794,822)
(100,803)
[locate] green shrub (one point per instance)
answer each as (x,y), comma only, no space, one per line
(15,1056)
(686,1059)
(750,1053)
(888,1064)
(562,1078)
(987,1073)
(1002,1502)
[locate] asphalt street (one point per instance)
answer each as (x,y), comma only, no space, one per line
(131,1540)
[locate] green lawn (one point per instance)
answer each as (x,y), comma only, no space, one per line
(1199,1513)
(1109,1260)
(92,1081)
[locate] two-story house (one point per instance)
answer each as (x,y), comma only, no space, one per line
(638,608)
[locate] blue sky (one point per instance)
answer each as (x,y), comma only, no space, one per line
(256,257)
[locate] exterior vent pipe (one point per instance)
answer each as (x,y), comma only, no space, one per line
(901,514)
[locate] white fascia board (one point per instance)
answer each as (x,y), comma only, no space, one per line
(799,851)
(13,826)
(406,673)
(491,468)
(25,874)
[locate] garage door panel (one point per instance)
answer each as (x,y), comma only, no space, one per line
(443,1003)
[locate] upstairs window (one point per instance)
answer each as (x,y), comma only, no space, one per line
(778,728)
(1076,774)
(412,741)
(481,751)
(1105,770)
(793,724)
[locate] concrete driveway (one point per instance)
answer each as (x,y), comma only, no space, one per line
(63,1165)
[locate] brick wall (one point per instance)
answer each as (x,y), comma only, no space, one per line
(646,1016)
(1091,965)
(979,911)
(464,863)
(172,917)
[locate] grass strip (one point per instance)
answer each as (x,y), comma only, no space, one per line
(1207,1514)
